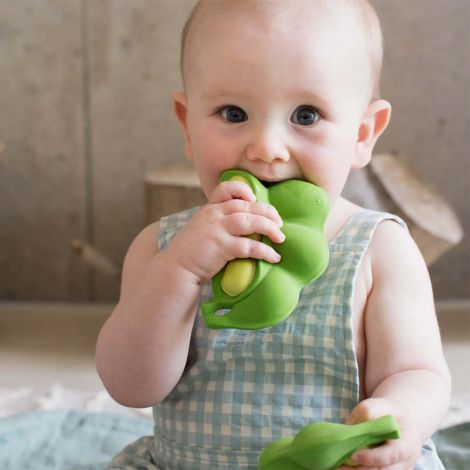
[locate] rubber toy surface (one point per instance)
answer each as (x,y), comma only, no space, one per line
(326,446)
(259,294)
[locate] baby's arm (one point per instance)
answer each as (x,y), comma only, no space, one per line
(405,374)
(142,349)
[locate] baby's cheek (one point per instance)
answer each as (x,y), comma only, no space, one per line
(208,181)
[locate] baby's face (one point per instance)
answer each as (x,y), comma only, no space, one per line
(280,100)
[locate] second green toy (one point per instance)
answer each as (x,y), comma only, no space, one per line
(327,446)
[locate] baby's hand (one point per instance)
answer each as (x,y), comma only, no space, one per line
(217,232)
(397,454)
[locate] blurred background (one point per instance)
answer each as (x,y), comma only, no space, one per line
(86,114)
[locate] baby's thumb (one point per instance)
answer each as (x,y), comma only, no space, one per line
(228,190)
(366,410)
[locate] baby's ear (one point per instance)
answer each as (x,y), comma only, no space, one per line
(180,107)
(374,122)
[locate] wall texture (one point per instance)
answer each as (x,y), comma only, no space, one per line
(85,112)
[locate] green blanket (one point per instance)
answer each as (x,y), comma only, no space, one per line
(78,440)
(453,446)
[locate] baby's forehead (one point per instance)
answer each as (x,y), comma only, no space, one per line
(294,14)
(344,23)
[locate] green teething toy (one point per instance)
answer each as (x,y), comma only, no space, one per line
(259,294)
(327,446)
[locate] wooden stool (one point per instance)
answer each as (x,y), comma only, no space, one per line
(170,189)
(388,184)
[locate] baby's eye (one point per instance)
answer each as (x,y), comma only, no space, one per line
(305,115)
(233,114)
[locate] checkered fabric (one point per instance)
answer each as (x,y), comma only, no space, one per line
(245,389)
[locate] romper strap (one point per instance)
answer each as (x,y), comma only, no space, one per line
(169,225)
(360,227)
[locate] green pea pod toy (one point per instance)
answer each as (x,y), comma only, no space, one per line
(258,294)
(327,446)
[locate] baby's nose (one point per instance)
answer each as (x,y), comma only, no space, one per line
(267,144)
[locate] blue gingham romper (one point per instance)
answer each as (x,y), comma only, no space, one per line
(243,389)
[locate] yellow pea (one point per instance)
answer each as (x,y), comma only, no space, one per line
(241,179)
(350,463)
(239,273)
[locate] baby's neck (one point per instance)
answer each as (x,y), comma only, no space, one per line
(339,214)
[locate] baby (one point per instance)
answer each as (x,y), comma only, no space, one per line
(282,89)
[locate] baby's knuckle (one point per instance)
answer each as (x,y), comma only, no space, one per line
(238,205)
(232,223)
(244,221)
(255,249)
(263,209)
(245,206)
(243,247)
(210,211)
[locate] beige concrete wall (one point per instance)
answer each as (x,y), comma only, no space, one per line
(85,112)
(42,165)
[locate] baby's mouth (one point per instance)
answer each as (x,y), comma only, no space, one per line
(268,184)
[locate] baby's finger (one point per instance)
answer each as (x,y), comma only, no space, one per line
(244,247)
(345,467)
(228,190)
(256,208)
(398,466)
(386,455)
(242,223)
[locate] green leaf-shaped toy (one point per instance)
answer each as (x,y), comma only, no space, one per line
(258,294)
(327,446)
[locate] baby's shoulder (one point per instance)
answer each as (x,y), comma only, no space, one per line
(392,250)
(382,227)
(144,245)
(392,234)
